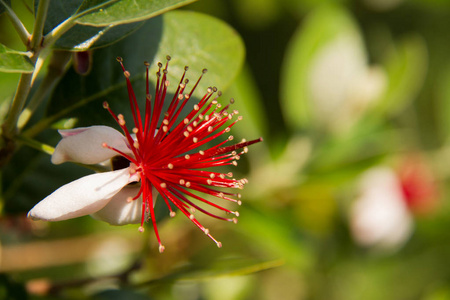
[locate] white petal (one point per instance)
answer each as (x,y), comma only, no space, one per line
(81,197)
(84,145)
(121,212)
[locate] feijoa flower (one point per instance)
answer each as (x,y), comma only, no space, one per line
(166,152)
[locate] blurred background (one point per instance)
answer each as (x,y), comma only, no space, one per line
(347,195)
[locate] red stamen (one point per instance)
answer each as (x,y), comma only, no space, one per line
(167,153)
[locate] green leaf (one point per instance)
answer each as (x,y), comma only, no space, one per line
(12,61)
(82,38)
(127,11)
(58,12)
(233,267)
(2,5)
(93,5)
(190,38)
(218,268)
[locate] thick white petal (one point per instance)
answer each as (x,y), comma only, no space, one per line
(81,197)
(84,145)
(121,212)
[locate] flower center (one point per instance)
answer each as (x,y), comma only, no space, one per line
(119,162)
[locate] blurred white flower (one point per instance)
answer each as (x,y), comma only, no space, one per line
(380,217)
(341,84)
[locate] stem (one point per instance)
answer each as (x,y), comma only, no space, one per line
(23,89)
(18,25)
(36,145)
(56,68)
(38,29)
(25,82)
(9,127)
(40,62)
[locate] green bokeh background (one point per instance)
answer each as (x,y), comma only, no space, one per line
(293,239)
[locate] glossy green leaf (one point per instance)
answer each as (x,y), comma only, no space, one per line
(58,12)
(127,11)
(201,41)
(2,5)
(14,61)
(82,38)
(320,28)
(92,5)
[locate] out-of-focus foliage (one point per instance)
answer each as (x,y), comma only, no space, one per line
(347,195)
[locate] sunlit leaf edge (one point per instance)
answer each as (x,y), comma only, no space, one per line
(100,17)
